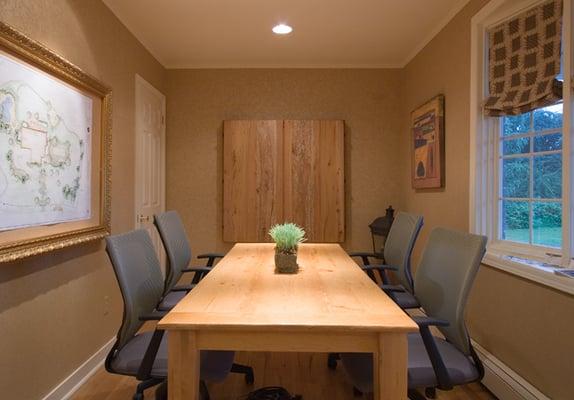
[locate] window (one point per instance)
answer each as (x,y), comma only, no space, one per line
(530,176)
(520,166)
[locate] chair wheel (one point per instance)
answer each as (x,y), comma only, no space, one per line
(249,378)
(332,363)
(430,393)
(161,391)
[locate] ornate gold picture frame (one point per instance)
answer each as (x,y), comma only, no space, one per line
(55,150)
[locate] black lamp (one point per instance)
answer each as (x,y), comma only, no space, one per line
(380,228)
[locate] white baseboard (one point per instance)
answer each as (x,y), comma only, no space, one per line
(503,382)
(72,383)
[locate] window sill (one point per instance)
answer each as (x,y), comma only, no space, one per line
(537,273)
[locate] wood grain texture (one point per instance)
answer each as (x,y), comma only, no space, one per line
(330,305)
(314,184)
(183,369)
(329,294)
(302,373)
(252,176)
(390,366)
(277,171)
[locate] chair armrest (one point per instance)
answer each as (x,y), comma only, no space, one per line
(424,321)
(183,288)
(442,375)
(144,371)
(392,288)
(378,267)
(364,256)
(211,257)
(197,269)
(154,316)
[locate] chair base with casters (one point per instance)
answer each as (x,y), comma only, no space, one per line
(244,369)
(332,359)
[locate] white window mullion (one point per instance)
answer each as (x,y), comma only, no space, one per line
(567,136)
(495,189)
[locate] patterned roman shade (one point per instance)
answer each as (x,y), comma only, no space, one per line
(524,60)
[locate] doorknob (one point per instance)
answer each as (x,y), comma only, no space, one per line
(143,218)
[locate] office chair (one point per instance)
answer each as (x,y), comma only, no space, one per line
(144,354)
(380,228)
(443,282)
(174,238)
(397,252)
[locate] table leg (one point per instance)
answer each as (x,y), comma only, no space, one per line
(183,366)
(390,367)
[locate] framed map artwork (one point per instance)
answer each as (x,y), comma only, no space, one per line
(427,124)
(54,150)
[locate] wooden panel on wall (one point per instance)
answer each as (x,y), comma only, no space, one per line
(314,184)
(252,173)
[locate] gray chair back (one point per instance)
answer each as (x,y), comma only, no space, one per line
(174,238)
(444,278)
(138,271)
(399,245)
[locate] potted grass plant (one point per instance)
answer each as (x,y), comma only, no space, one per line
(287,238)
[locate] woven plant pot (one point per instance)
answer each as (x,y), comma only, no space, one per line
(286,263)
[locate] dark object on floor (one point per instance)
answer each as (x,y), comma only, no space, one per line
(161,391)
(271,393)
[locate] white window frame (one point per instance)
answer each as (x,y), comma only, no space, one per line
(484,156)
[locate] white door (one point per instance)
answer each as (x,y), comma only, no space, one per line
(149,159)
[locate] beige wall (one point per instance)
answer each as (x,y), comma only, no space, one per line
(199,100)
(59,309)
(527,326)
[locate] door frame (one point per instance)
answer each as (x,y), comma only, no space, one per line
(141,83)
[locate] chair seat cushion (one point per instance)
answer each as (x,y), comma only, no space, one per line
(170,300)
(215,365)
(404,299)
(461,369)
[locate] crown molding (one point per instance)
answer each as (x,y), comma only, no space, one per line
(444,22)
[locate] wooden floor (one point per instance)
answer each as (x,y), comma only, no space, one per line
(305,374)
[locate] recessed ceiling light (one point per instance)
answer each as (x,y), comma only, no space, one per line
(282,29)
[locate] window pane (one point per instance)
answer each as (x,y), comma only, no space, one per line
(547,224)
(548,118)
(515,221)
(516,124)
(516,146)
(515,177)
(548,176)
(548,142)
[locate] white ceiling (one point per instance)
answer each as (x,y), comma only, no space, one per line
(327,33)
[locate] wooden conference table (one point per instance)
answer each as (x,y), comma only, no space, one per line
(329,306)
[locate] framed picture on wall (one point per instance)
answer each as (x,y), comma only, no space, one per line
(54,150)
(427,127)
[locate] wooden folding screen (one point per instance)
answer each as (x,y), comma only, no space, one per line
(314,180)
(283,171)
